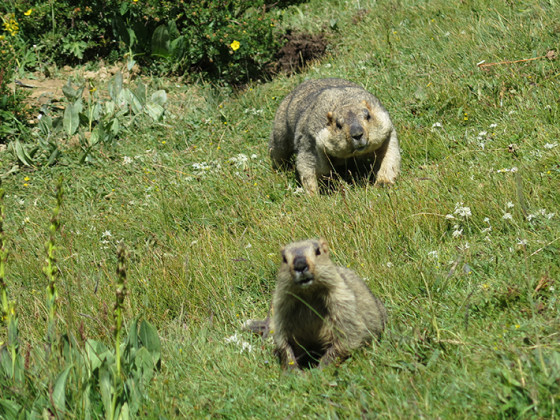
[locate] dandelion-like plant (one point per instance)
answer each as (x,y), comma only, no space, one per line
(51,269)
(7,309)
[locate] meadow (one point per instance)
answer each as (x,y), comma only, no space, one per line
(463,250)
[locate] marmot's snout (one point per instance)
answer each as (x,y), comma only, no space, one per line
(302,275)
(359,141)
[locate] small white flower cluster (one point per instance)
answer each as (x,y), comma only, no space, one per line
(487,229)
(550,145)
(244,346)
(462,211)
(253,111)
(540,212)
(433,254)
(204,167)
(127,160)
(482,137)
(105,238)
(512,170)
(457,231)
(240,161)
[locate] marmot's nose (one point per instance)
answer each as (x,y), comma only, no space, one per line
(356,132)
(300,264)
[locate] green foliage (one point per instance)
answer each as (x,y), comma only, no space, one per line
(472,295)
(231,40)
(96,122)
(12,109)
(85,378)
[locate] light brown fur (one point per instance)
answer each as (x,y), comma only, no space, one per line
(321,312)
(325,122)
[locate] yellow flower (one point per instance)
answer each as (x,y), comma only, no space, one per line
(26,178)
(28,12)
(235,45)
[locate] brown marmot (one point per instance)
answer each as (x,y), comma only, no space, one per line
(320,312)
(325,122)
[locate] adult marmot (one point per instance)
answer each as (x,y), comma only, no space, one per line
(325,122)
(320,312)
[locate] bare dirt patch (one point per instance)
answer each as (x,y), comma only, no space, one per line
(300,49)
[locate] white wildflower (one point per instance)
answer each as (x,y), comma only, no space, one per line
(457,232)
(127,160)
(449,216)
(437,125)
(550,145)
(389,264)
(464,247)
(507,216)
(493,125)
(433,254)
(486,220)
(106,234)
(510,205)
(240,160)
(254,156)
(482,134)
(202,166)
(253,111)
(234,339)
(462,211)
(487,229)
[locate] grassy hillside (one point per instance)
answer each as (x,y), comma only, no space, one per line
(464,250)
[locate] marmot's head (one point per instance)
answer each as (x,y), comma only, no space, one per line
(355,129)
(301,259)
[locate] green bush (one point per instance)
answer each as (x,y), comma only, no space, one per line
(12,109)
(231,40)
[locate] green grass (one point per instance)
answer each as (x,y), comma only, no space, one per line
(474,318)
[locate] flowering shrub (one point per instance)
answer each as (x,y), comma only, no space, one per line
(231,40)
(12,109)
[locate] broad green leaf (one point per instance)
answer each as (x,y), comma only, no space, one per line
(160,42)
(59,392)
(115,127)
(95,352)
(155,111)
(150,339)
(71,120)
(9,408)
(159,97)
(106,388)
(124,414)
(68,91)
(21,153)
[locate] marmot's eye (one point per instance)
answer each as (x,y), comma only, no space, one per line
(368,116)
(317,251)
(339,125)
(284,260)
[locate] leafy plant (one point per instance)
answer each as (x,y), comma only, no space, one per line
(91,380)
(96,121)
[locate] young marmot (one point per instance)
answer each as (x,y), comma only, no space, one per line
(321,312)
(325,122)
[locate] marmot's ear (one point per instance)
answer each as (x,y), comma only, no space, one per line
(330,118)
(323,245)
